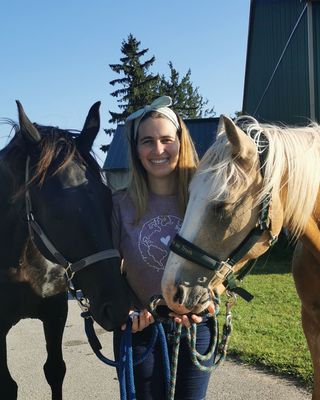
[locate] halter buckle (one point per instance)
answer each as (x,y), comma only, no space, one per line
(84,305)
(273,239)
(30,216)
(228,267)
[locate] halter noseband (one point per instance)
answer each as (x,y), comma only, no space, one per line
(70,268)
(224,269)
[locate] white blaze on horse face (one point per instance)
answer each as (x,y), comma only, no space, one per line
(193,221)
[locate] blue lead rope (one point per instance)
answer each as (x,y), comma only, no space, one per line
(126,363)
(125,366)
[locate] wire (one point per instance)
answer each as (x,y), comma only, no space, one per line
(280,59)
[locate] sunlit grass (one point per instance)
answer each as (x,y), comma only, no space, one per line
(267,331)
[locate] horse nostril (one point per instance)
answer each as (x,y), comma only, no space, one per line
(179,296)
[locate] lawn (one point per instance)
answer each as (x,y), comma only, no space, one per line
(267,331)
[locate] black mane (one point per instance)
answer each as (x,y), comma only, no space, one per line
(54,141)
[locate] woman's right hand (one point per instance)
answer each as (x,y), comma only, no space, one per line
(185,320)
(140,320)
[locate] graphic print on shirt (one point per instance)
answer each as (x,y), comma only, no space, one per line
(155,238)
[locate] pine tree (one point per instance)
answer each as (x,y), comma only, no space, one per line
(138,85)
(186,99)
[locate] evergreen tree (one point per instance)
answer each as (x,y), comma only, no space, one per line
(138,85)
(186,99)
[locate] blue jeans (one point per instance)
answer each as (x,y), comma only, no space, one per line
(191,384)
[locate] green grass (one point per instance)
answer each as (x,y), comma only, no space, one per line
(267,332)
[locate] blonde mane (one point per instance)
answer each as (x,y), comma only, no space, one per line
(292,162)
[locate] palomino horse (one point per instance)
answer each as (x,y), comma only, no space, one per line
(55,213)
(247,187)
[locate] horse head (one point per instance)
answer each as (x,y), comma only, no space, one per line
(224,209)
(61,188)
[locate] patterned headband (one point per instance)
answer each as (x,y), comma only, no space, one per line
(160,105)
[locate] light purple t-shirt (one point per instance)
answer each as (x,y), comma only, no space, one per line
(144,247)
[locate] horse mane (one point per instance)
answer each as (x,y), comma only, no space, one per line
(292,163)
(219,163)
(55,144)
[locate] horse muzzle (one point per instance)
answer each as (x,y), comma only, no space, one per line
(184,299)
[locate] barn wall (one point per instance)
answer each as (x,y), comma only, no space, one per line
(287,98)
(316,38)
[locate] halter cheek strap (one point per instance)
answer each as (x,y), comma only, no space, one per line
(224,269)
(70,268)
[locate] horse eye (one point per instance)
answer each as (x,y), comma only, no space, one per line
(221,209)
(202,279)
(218,207)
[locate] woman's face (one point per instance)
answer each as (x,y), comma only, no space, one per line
(158,147)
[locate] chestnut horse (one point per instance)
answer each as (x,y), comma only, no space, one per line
(55,215)
(250,184)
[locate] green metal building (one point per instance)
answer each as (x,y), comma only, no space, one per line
(282,78)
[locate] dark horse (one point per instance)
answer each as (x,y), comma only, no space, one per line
(48,176)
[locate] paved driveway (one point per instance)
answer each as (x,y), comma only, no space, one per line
(88,378)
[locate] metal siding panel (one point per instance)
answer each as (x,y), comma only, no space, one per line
(316,39)
(287,99)
(203,133)
(117,157)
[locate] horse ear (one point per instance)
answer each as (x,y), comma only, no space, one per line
(220,125)
(28,130)
(90,129)
(242,146)
(232,134)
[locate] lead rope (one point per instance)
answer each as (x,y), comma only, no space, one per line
(216,348)
(126,361)
(174,362)
(219,350)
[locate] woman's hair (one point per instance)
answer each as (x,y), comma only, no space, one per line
(187,163)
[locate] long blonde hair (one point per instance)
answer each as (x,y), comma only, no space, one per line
(187,164)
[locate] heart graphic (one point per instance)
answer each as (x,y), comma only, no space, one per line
(165,240)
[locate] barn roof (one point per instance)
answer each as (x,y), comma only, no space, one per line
(203,132)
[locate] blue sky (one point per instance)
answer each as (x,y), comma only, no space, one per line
(55,55)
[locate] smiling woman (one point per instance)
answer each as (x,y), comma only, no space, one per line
(145,220)
(158,151)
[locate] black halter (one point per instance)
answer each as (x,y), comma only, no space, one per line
(224,269)
(70,268)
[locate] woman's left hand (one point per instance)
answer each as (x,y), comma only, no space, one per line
(185,320)
(140,320)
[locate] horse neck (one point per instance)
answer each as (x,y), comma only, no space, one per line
(13,227)
(311,235)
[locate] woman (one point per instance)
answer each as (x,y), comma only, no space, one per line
(145,219)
